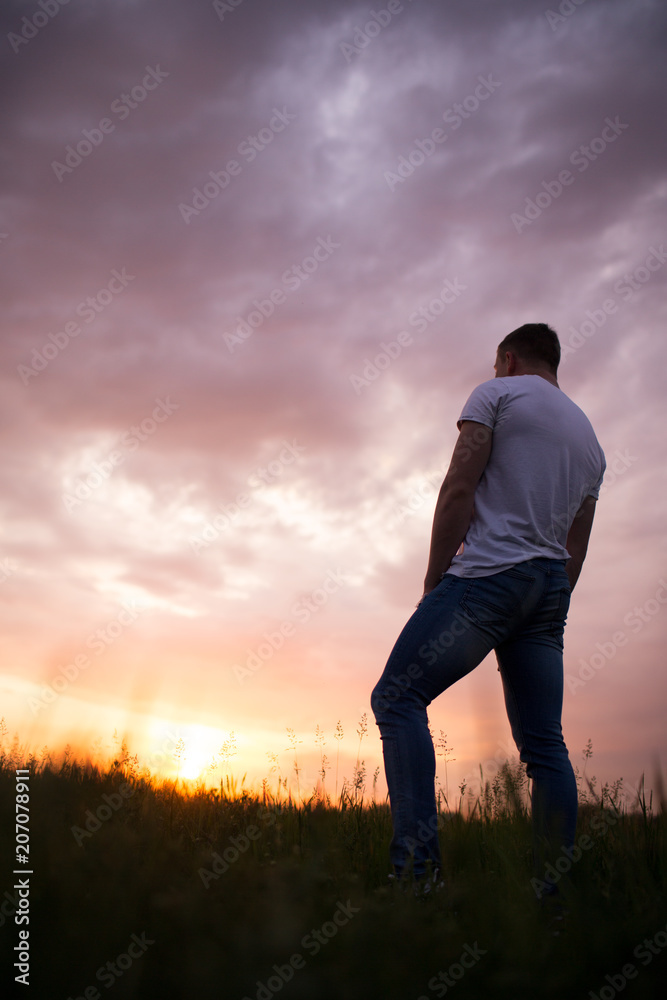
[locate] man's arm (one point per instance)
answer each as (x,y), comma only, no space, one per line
(454,508)
(577,539)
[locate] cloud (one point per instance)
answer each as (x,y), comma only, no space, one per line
(237,313)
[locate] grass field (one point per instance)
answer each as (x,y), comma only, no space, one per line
(144,889)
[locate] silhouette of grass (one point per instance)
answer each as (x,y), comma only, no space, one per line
(228,884)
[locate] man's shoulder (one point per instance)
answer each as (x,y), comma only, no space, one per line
(492,387)
(482,404)
(493,391)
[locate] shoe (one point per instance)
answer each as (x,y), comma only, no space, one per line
(421,886)
(430,885)
(555,913)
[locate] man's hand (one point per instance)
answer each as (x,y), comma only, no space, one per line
(454,508)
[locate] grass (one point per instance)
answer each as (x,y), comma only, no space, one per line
(233,894)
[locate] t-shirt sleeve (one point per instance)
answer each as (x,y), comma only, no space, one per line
(595,491)
(483,403)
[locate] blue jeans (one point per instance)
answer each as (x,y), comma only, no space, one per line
(520,613)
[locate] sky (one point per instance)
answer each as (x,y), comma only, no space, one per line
(256,256)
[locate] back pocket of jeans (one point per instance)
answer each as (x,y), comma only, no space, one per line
(493,600)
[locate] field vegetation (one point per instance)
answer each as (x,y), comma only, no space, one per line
(144,887)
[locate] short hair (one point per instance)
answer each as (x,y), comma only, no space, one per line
(535,343)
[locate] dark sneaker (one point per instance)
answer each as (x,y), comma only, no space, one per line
(555,914)
(421,886)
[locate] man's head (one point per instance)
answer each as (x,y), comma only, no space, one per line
(531,349)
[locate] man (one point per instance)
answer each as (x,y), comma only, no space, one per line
(510,533)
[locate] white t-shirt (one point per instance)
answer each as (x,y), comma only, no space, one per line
(545,460)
